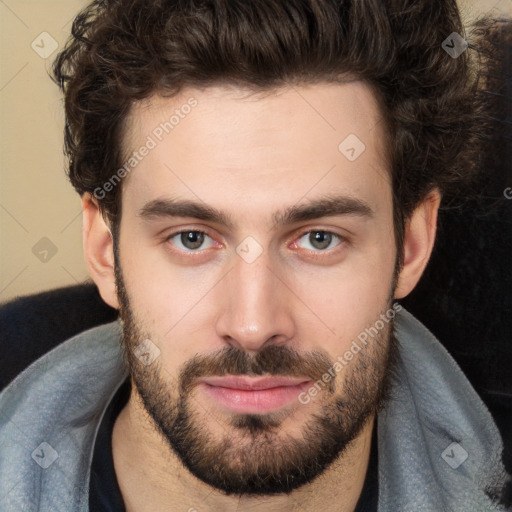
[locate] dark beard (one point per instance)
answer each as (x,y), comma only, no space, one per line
(253,456)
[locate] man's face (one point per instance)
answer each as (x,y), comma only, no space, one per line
(266,294)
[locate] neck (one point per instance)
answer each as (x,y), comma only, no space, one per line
(151,477)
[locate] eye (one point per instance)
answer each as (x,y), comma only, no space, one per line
(320,240)
(191,240)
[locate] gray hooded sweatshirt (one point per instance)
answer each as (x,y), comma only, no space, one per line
(439,449)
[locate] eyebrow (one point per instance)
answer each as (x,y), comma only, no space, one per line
(327,206)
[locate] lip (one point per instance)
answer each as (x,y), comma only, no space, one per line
(253,395)
(254,383)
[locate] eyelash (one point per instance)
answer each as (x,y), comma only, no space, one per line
(342,239)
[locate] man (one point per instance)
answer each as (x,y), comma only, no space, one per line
(260,181)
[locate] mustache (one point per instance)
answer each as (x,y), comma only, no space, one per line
(274,360)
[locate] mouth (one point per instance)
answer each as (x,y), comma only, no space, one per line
(253,395)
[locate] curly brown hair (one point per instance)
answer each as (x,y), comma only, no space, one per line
(122,51)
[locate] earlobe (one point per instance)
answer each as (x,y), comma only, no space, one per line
(420,234)
(99,250)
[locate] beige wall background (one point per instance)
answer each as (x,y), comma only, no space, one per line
(40,214)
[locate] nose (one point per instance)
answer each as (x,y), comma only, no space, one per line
(257,305)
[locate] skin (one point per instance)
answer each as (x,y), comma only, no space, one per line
(251,155)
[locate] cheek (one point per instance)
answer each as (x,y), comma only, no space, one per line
(170,304)
(161,293)
(346,301)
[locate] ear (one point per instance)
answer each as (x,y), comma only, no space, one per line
(99,250)
(420,234)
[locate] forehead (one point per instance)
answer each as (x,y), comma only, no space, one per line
(224,144)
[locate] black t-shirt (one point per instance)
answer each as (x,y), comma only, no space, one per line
(104,492)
